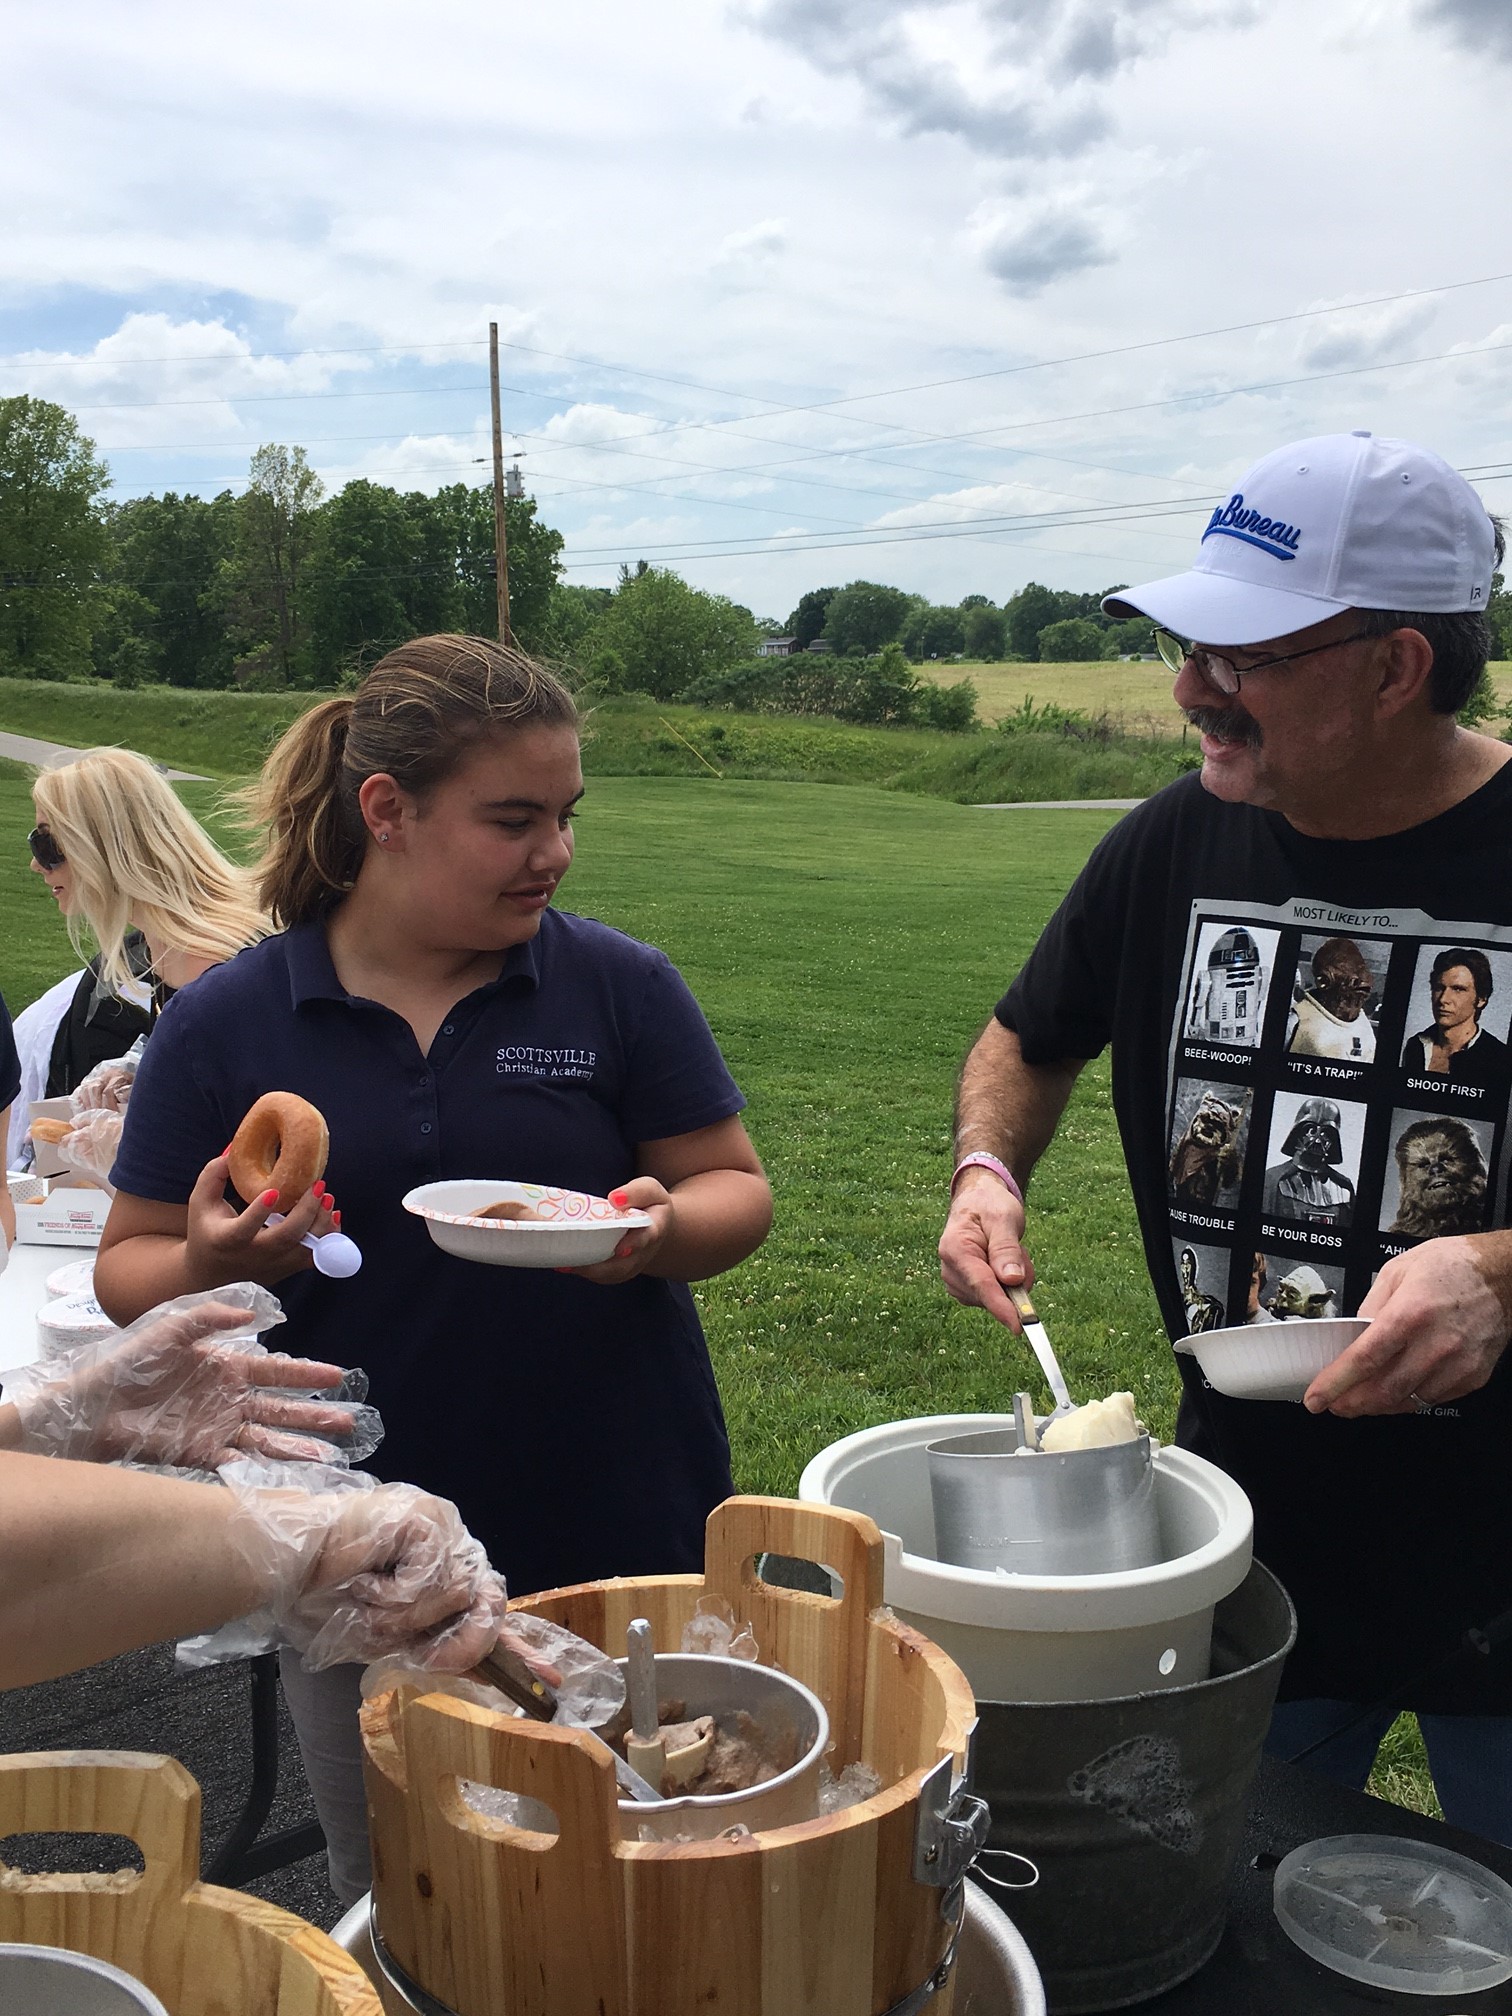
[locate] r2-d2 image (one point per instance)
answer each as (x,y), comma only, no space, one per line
(1228,998)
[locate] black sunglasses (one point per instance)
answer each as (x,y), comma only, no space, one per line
(45,851)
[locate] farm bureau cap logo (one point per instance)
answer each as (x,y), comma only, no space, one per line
(1234,521)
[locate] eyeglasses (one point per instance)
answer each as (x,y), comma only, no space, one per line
(45,851)
(1223,673)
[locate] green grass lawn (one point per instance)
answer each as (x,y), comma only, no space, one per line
(226,735)
(1139,696)
(846,943)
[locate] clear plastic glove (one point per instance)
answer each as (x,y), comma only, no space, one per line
(107,1088)
(355,1570)
(92,1143)
(189,1385)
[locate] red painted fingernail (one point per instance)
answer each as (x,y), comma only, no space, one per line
(336,1219)
(617,1197)
(225,1151)
(328,1203)
(268,1197)
(317,1188)
(622,1251)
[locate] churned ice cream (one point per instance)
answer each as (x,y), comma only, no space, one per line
(1094,1426)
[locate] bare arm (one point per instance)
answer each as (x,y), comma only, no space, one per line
(98,1561)
(1009,1109)
(709,1202)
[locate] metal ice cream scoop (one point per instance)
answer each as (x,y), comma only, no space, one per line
(1040,1345)
(513,1676)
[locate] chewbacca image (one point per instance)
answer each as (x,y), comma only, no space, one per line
(1443,1177)
(1329,1020)
(1205,1159)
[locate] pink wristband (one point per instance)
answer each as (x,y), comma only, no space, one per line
(991,1162)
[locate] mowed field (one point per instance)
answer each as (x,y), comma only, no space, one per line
(846,944)
(1137,696)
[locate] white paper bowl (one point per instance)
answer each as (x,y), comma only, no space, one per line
(1271,1361)
(580,1229)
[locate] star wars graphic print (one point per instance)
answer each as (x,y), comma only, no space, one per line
(1338,1090)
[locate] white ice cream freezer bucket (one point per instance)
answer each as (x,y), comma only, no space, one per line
(1044,1637)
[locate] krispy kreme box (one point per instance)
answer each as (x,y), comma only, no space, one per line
(63,1211)
(58,1207)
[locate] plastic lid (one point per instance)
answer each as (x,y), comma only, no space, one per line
(1397,1914)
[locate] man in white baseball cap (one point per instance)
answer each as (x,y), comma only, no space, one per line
(1329,632)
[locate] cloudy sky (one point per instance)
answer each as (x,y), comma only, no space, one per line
(953,294)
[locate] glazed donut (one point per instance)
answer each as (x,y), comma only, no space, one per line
(281,1145)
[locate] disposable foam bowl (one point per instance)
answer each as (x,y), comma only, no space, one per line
(1271,1361)
(578,1229)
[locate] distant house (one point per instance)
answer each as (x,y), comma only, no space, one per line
(821,644)
(776,647)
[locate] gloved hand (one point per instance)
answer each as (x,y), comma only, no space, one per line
(356,1570)
(107,1088)
(91,1144)
(188,1384)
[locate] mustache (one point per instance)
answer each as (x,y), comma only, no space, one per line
(1226,724)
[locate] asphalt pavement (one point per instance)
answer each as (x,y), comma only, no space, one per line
(28,749)
(203,1718)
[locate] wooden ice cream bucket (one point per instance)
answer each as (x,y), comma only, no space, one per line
(202,1951)
(852,1913)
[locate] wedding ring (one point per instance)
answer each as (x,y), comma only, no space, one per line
(1423,1406)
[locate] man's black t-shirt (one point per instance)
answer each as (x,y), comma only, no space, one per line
(1189,943)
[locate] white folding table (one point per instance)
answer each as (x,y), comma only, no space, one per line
(23,1291)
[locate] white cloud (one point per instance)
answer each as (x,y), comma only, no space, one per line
(1482,26)
(1010,78)
(764,212)
(1028,248)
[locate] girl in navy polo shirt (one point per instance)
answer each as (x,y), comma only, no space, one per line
(449,1023)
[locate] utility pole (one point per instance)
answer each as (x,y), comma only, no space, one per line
(501,545)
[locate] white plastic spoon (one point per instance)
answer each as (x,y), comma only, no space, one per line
(335,1255)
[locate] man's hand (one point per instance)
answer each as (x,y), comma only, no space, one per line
(1437,1328)
(639,1245)
(981,1248)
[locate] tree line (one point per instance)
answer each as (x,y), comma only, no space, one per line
(285,586)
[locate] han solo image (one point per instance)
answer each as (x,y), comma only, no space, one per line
(1455,1046)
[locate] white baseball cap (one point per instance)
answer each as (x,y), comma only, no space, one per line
(1344,521)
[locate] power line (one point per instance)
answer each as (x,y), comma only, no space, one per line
(882,538)
(757,398)
(620,445)
(281,398)
(1026,523)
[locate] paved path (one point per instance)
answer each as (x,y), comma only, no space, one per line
(27,749)
(1059,805)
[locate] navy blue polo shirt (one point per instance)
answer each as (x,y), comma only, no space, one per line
(10,1063)
(578,1427)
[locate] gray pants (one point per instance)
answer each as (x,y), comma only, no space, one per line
(324,1709)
